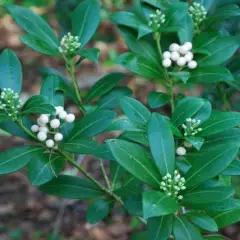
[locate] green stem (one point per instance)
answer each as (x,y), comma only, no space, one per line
(27,131)
(105,174)
(223,95)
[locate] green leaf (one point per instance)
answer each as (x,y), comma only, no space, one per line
(203,221)
(3,116)
(156,204)
(211,74)
(104,85)
(91,124)
(224,219)
(216,160)
(186,108)
(157,99)
(204,39)
(85,20)
(182,76)
(221,50)
(183,229)
(44,167)
(49,90)
(97,211)
(197,142)
(37,105)
(139,235)
(16,158)
(219,122)
(186,33)
(123,124)
(137,137)
(11,71)
(207,196)
(214,238)
(135,110)
(33,24)
(233,169)
(133,204)
(38,45)
(160,228)
(140,66)
(111,100)
(90,53)
(128,155)
(161,143)
(71,187)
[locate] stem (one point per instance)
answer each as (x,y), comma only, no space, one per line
(27,131)
(105,174)
(223,95)
(172,97)
(157,38)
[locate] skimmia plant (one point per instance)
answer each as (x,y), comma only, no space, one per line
(171,171)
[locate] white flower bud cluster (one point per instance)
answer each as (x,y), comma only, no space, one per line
(191,127)
(156,20)
(182,55)
(173,185)
(198,13)
(10,103)
(69,45)
(47,127)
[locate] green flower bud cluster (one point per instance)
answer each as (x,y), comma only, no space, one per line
(198,13)
(156,20)
(173,185)
(191,127)
(69,45)
(10,103)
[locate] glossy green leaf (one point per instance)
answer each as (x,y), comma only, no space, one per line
(90,53)
(16,158)
(112,99)
(233,169)
(71,187)
(183,229)
(104,85)
(210,74)
(197,142)
(11,71)
(203,221)
(204,39)
(133,204)
(186,33)
(219,122)
(37,105)
(186,108)
(3,116)
(161,143)
(137,137)
(140,66)
(33,24)
(156,204)
(134,159)
(182,76)
(44,167)
(207,196)
(123,124)
(139,235)
(157,99)
(91,124)
(38,45)
(97,211)
(135,110)
(227,218)
(160,228)
(85,20)
(216,160)
(221,50)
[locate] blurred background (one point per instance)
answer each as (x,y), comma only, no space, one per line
(25,212)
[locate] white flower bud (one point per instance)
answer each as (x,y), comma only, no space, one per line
(188,45)
(175,56)
(166,55)
(167,63)
(180,197)
(62,115)
(42,136)
(35,128)
(188,57)
(50,143)
(58,137)
(181,151)
(44,119)
(174,47)
(55,123)
(183,50)
(181,61)
(70,118)
(192,64)
(59,109)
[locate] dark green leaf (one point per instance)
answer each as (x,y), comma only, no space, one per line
(157,99)
(187,31)
(71,187)
(134,205)
(233,169)
(89,53)
(162,145)
(197,142)
(11,71)
(97,211)
(137,137)
(204,39)
(104,85)
(133,158)
(85,20)
(123,124)
(3,116)
(156,204)
(160,228)
(91,124)
(182,76)
(16,158)
(139,235)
